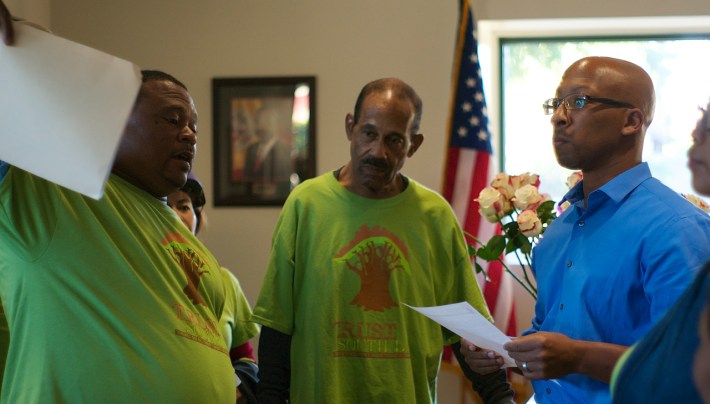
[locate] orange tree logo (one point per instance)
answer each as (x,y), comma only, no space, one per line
(190,262)
(373,254)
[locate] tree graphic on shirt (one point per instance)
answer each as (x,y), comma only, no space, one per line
(191,264)
(374,254)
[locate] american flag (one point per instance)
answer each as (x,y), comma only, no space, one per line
(469,162)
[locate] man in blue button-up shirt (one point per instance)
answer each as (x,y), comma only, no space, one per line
(619,256)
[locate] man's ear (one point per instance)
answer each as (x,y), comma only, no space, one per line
(634,122)
(349,123)
(417,141)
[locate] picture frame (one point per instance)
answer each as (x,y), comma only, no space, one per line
(264,138)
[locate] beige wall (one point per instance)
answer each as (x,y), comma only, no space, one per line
(35,10)
(343,43)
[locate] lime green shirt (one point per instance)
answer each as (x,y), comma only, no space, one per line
(107,301)
(234,323)
(341,268)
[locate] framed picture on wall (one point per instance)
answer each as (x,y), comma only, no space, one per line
(264,138)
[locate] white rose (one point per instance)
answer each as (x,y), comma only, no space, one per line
(529,179)
(493,204)
(573,179)
(488,199)
(529,223)
(502,183)
(521,180)
(527,197)
(563,206)
(697,202)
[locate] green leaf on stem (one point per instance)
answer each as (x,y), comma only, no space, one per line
(492,250)
(546,212)
(471,250)
(479,269)
(525,244)
(511,227)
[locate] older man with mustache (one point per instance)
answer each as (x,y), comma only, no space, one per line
(350,249)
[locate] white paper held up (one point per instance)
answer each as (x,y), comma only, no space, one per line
(63,108)
(465,321)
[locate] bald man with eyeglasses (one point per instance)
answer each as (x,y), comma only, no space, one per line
(623,252)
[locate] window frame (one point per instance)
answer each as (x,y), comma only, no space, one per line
(493,34)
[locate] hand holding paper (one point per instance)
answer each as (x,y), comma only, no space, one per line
(6,30)
(467,322)
(63,107)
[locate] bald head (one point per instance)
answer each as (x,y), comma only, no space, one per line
(619,79)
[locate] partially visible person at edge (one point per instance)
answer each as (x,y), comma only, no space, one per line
(351,247)
(701,365)
(659,368)
(616,260)
(113,300)
(234,324)
(4,343)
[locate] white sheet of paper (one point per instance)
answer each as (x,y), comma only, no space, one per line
(63,108)
(465,321)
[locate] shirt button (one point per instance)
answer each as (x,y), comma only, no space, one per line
(581,223)
(569,264)
(562,306)
(548,391)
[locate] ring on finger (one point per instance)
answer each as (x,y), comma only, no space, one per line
(524,366)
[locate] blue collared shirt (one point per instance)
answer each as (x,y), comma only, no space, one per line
(609,272)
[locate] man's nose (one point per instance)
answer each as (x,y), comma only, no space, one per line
(559,115)
(188,135)
(379,149)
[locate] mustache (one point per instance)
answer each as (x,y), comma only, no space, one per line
(377,162)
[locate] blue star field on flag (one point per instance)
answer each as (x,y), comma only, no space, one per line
(470,117)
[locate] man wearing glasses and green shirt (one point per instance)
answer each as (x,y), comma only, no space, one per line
(623,252)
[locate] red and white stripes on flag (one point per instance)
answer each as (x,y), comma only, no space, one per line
(469,164)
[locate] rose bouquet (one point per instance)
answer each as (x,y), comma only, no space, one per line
(523,213)
(695,200)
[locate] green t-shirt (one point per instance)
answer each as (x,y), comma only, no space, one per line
(107,301)
(234,324)
(341,268)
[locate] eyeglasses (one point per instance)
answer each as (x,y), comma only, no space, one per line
(702,127)
(578,101)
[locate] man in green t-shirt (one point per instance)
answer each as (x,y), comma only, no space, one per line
(237,330)
(113,300)
(351,247)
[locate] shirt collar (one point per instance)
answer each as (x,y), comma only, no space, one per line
(617,188)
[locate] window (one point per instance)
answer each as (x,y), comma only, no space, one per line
(529,58)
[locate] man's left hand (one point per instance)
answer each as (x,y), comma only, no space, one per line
(544,355)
